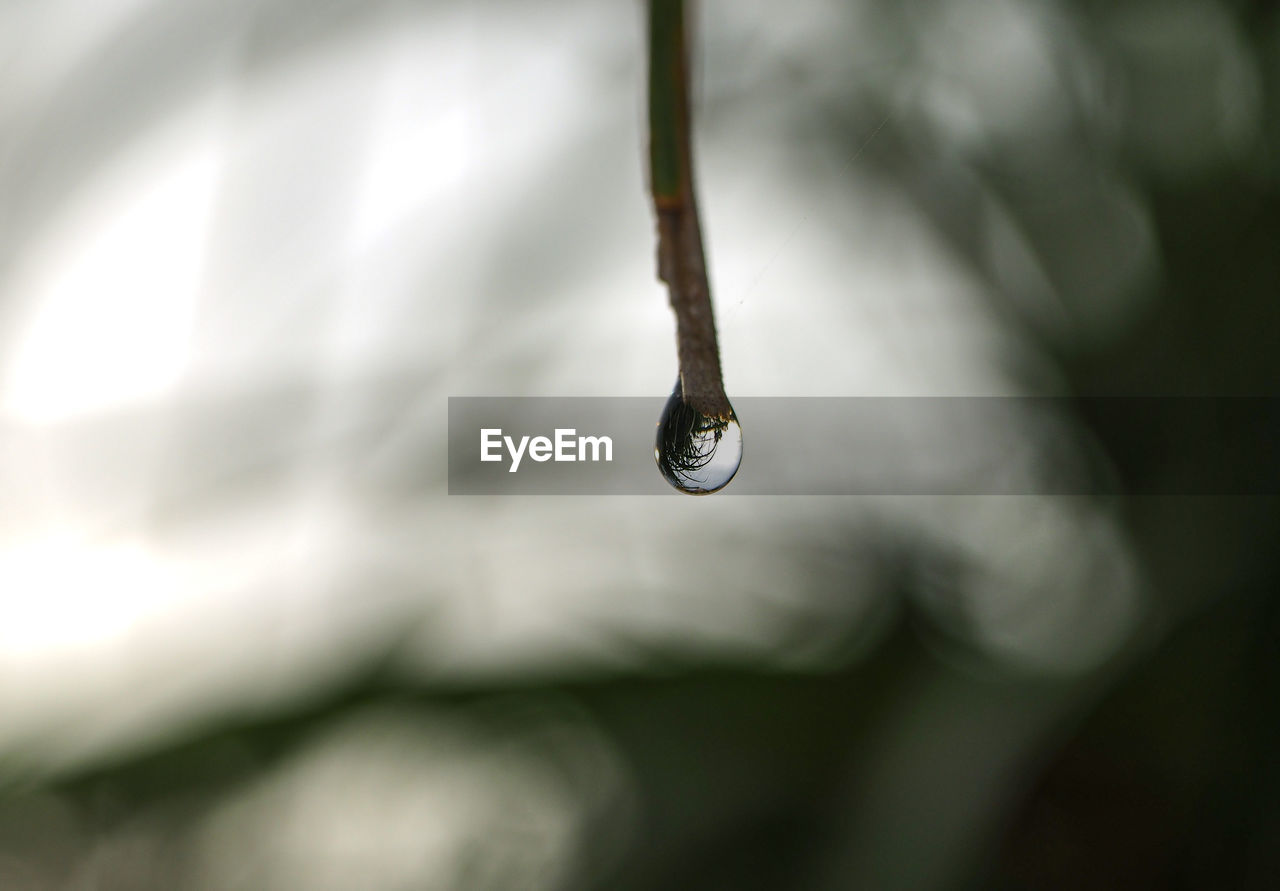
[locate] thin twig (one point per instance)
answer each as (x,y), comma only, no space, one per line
(681,262)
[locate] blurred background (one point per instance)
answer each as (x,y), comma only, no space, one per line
(247,251)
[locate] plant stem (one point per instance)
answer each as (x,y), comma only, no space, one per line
(681,262)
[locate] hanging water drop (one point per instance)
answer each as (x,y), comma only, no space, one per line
(697,453)
(699,443)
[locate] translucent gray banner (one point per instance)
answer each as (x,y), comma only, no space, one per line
(881,446)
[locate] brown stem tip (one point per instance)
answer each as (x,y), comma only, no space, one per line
(681,259)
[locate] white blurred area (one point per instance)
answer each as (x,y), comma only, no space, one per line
(248,251)
(413,797)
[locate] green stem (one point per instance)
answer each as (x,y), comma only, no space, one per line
(668,100)
(681,261)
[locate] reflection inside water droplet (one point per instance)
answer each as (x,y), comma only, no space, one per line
(697,454)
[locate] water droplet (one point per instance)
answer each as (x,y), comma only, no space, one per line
(697,454)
